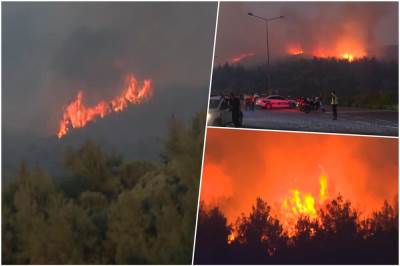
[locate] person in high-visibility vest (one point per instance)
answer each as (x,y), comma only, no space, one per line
(334,103)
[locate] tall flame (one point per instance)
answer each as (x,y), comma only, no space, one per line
(299,204)
(77,114)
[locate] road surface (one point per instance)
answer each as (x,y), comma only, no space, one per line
(350,120)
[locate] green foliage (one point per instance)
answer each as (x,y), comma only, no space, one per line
(374,100)
(92,169)
(105,210)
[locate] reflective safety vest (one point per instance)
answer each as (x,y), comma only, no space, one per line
(334,99)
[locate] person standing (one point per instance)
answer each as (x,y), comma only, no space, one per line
(334,103)
(321,104)
(236,108)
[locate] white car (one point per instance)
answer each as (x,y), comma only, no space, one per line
(220,112)
(275,101)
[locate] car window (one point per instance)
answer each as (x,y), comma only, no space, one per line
(276,98)
(214,103)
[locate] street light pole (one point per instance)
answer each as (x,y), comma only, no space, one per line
(267,65)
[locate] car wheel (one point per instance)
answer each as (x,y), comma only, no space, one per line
(268,106)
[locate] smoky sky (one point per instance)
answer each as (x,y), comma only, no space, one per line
(373,24)
(52,50)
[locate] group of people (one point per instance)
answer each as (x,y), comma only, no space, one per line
(316,103)
(249,100)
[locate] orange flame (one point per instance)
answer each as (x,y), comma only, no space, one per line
(238,58)
(295,50)
(77,115)
(296,205)
(231,237)
(303,204)
(347,48)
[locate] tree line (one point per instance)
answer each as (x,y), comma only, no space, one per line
(365,82)
(106,210)
(337,236)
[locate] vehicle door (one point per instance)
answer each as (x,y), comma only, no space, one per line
(226,113)
(283,103)
(273,101)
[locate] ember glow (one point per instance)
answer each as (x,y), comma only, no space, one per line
(77,114)
(346,49)
(238,58)
(295,50)
(296,173)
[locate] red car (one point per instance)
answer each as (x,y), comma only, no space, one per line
(275,101)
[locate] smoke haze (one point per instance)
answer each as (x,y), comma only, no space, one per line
(52,50)
(362,27)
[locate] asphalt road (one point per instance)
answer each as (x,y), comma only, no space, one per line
(350,120)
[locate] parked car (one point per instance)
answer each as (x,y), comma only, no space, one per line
(275,101)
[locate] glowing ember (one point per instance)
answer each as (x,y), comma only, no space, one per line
(346,48)
(295,51)
(77,115)
(238,58)
(348,56)
(231,237)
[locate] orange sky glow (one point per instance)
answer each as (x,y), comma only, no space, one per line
(241,165)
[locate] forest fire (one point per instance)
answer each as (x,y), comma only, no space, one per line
(346,49)
(238,58)
(77,114)
(272,166)
(321,53)
(297,205)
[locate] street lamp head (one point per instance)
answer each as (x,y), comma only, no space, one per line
(250,14)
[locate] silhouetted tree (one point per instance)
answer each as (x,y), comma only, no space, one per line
(337,236)
(212,236)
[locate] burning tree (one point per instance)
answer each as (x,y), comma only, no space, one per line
(336,236)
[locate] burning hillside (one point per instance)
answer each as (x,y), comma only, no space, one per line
(77,114)
(345,49)
(238,58)
(341,30)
